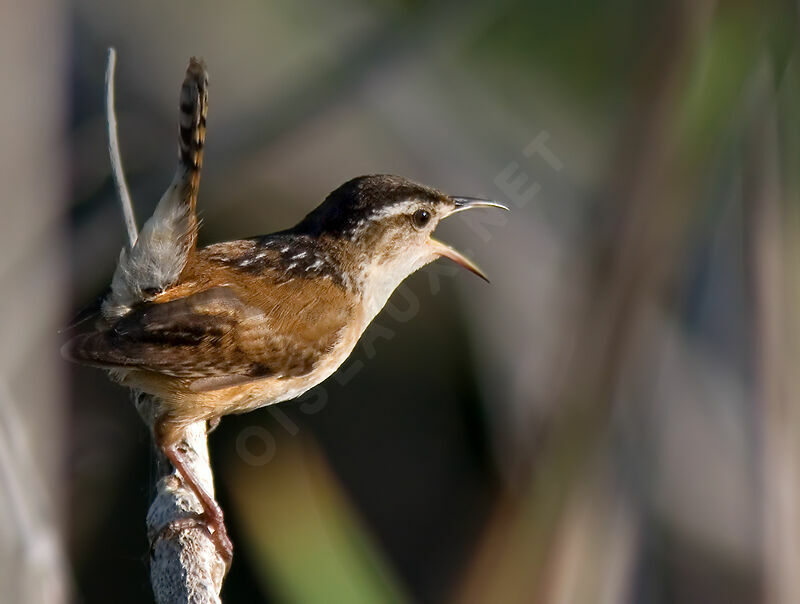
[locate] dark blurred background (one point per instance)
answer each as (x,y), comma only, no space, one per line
(614,420)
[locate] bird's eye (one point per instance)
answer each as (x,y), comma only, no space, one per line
(421,218)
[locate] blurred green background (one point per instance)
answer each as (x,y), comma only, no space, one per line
(614,420)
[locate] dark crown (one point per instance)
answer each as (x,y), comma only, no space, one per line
(360,199)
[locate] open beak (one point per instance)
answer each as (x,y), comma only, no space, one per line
(466,203)
(442,249)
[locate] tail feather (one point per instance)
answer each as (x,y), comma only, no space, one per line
(192,124)
(168,238)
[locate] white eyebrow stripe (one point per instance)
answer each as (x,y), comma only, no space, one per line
(396,209)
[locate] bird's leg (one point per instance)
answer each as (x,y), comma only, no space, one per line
(212,513)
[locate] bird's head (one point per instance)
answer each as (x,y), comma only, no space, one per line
(386,224)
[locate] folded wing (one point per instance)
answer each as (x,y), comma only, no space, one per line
(212,339)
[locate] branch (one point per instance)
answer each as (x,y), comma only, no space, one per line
(184,564)
(113,152)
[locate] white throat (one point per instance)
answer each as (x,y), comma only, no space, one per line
(380,280)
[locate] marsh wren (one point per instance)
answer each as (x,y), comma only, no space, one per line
(242,324)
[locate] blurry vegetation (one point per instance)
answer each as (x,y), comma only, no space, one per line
(613,420)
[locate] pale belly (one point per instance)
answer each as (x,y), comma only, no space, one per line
(277,390)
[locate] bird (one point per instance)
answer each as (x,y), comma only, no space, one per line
(238,325)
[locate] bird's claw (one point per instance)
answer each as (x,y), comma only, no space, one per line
(215,530)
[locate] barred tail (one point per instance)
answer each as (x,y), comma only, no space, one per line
(167,240)
(192,125)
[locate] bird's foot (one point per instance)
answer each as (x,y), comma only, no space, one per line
(213,527)
(219,535)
